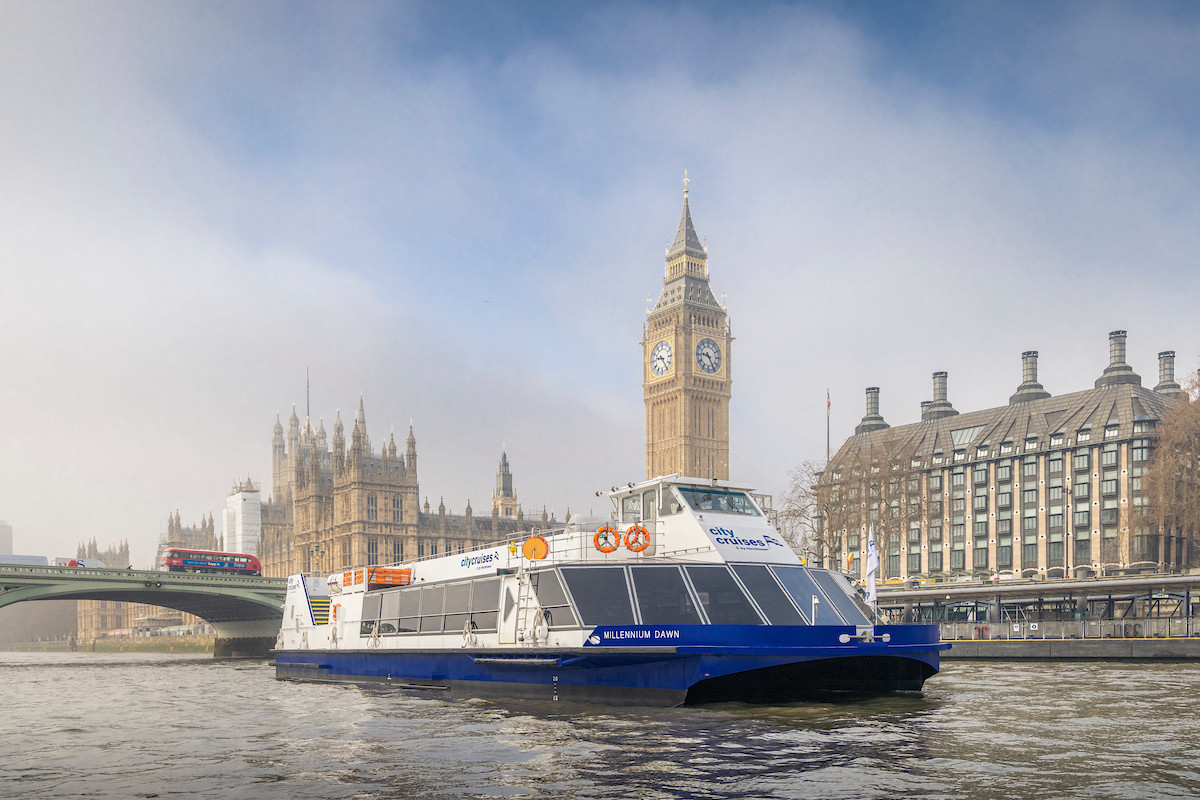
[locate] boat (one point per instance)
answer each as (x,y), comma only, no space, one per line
(687,595)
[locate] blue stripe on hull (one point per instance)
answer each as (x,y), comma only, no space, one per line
(753,670)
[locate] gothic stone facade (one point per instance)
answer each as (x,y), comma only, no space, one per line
(1046,485)
(332,508)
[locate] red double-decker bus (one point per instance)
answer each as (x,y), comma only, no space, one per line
(177,559)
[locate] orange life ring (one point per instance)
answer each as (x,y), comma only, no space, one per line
(637,538)
(535,548)
(602,539)
(335,612)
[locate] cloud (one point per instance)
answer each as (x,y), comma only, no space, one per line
(463,227)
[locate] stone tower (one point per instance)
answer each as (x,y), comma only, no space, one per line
(504,499)
(686,366)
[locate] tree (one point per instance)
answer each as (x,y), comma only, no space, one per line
(1171,483)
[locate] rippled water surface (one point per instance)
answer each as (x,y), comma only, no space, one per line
(117,726)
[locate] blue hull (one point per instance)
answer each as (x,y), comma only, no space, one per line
(707,664)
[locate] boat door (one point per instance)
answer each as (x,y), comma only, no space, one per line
(510,593)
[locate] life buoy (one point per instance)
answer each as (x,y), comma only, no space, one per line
(637,538)
(335,612)
(607,539)
(535,548)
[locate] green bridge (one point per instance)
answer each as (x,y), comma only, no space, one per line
(245,611)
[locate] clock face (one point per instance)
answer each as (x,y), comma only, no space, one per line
(708,355)
(660,358)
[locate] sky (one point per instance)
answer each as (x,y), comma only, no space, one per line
(458,212)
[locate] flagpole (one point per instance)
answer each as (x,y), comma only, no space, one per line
(828,405)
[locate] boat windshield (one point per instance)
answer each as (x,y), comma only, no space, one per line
(719,500)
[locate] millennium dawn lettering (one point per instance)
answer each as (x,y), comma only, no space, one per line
(623,634)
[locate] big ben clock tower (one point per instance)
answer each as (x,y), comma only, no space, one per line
(686,366)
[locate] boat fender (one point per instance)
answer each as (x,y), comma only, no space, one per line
(607,539)
(542,629)
(637,538)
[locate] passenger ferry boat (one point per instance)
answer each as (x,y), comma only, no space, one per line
(687,595)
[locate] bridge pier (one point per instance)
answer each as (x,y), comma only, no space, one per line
(243,647)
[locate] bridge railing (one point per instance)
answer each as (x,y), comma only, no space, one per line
(125,575)
(1136,628)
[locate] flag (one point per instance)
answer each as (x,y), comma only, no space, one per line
(872,567)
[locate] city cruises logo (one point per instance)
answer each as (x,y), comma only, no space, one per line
(481,560)
(727,536)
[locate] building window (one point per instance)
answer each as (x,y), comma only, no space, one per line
(958,477)
(1056,440)
(1029,467)
(1029,555)
(397,551)
(958,504)
(894,564)
(1029,497)
(1004,500)
(935,560)
(1143,426)
(958,559)
(1110,431)
(980,474)
(1108,458)
(1029,523)
(1055,464)
(981,452)
(1004,553)
(420,548)
(1081,461)
(1004,471)
(1109,487)
(1003,526)
(935,533)
(1056,493)
(1055,521)
(935,483)
(1006,447)
(346,553)
(1083,518)
(914,485)
(914,531)
(914,562)
(1082,490)
(980,502)
(1083,549)
(1083,435)
(372,550)
(396,509)
(980,528)
(980,558)
(1140,450)
(372,508)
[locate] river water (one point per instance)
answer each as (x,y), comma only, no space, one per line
(136,725)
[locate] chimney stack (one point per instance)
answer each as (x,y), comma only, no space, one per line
(1117,372)
(1166,375)
(872,421)
(1029,389)
(940,406)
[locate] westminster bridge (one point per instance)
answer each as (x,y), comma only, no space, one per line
(244,610)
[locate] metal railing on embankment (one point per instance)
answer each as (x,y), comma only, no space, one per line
(1151,628)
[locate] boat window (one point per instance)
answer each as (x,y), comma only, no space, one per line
(648,504)
(391,605)
(841,594)
(366,627)
(387,627)
(601,595)
(670,503)
(718,500)
(485,601)
(723,600)
(509,602)
(631,508)
(552,599)
(370,606)
(432,598)
(770,597)
(803,589)
(405,625)
(410,602)
(458,597)
(663,597)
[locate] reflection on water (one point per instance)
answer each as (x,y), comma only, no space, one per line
(144,726)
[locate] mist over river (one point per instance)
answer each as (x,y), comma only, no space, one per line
(137,725)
